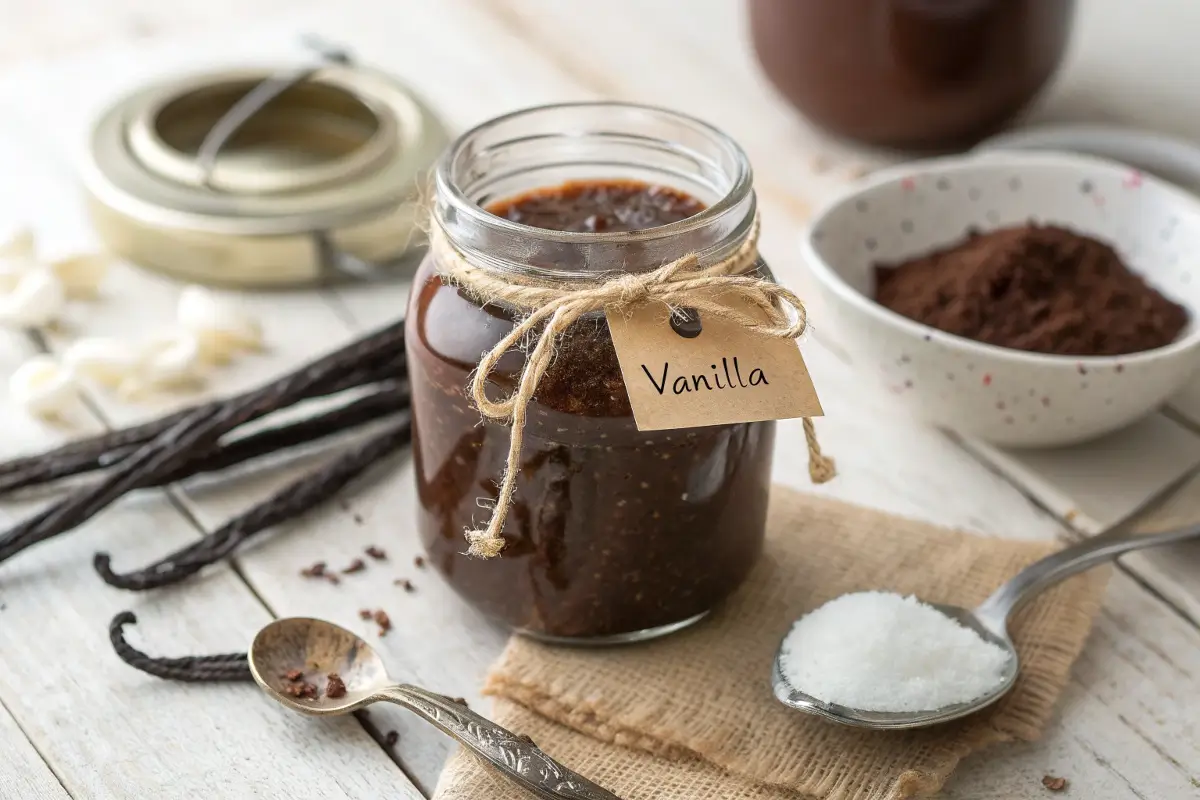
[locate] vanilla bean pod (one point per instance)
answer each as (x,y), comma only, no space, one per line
(361,411)
(387,400)
(293,500)
(369,408)
(104,450)
(194,669)
(201,428)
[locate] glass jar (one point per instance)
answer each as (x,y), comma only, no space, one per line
(615,534)
(910,73)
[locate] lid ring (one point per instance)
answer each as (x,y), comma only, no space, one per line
(244,110)
(204,168)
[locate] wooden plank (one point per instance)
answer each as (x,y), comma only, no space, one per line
(1186,405)
(1094,485)
(23,773)
(56,28)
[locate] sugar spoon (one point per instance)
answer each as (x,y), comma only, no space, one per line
(990,618)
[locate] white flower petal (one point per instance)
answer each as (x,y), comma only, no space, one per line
(170,359)
(13,268)
(37,299)
(82,273)
(18,242)
(224,323)
(132,388)
(215,349)
(109,361)
(41,386)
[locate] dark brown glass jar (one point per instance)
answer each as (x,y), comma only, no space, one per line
(615,534)
(910,73)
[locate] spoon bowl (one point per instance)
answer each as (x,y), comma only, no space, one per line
(316,649)
(792,696)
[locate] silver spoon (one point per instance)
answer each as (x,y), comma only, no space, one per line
(990,619)
(317,648)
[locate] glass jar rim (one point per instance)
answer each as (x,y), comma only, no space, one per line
(741,183)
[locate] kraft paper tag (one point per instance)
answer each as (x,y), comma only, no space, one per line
(721,375)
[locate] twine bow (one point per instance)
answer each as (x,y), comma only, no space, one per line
(552,309)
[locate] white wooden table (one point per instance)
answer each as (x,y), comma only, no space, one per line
(75,722)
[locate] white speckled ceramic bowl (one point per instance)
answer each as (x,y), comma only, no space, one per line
(1007,397)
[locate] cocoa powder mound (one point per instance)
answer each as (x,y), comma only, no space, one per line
(1043,289)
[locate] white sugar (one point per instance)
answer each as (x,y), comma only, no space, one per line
(878,651)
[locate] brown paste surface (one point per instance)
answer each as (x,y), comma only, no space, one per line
(612,530)
(599,207)
(1044,289)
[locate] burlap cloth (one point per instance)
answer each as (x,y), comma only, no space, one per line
(693,716)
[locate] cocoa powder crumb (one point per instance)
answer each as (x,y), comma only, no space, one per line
(365,613)
(1043,289)
(406,583)
(1054,784)
(357,565)
(419,562)
(293,675)
(391,738)
(377,553)
(320,570)
(383,621)
(302,690)
(462,702)
(335,687)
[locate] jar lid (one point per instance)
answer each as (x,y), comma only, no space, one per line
(1174,160)
(259,177)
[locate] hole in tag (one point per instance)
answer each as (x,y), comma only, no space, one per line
(686,322)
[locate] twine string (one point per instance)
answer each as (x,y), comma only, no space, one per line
(719,291)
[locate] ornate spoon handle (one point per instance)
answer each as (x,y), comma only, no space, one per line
(516,756)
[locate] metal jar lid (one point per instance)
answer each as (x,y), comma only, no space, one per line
(264,178)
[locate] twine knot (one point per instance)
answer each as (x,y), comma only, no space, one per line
(551,308)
